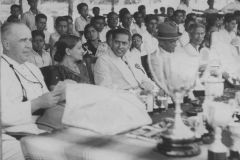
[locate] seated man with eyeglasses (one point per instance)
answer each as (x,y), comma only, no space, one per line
(23,89)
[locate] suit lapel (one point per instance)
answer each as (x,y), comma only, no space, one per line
(123,69)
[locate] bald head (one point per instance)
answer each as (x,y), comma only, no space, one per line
(7,29)
(16,41)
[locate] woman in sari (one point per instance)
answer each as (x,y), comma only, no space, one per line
(69,55)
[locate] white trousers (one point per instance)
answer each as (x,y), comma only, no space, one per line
(11,150)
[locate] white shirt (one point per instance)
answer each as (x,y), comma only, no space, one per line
(41,61)
(150,43)
(181,28)
(47,36)
(102,35)
(184,7)
(196,58)
(135,54)
(229,59)
(231,7)
(137,29)
(222,37)
(191,51)
(112,72)
(54,38)
(183,40)
(103,48)
(80,23)
(16,115)
(132,28)
(28,18)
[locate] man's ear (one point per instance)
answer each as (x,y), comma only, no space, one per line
(6,44)
(130,43)
(67,50)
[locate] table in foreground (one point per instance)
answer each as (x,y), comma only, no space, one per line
(77,144)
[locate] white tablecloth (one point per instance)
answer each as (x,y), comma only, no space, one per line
(76,144)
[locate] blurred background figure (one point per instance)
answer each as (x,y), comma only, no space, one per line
(112,20)
(170,11)
(15,10)
(83,19)
(142,9)
(211,8)
(96,11)
(184,5)
(28,17)
(39,57)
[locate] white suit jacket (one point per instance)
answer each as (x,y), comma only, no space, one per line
(112,72)
(178,64)
(222,37)
(17,115)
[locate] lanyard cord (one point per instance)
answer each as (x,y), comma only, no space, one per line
(24,92)
(38,81)
(23,89)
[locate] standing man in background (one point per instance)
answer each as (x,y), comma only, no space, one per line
(28,17)
(83,19)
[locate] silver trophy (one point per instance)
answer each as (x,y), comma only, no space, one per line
(176,75)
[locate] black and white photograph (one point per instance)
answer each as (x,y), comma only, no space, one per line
(120,79)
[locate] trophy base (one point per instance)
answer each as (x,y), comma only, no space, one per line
(179,150)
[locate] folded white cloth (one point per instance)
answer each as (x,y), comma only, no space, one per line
(103,110)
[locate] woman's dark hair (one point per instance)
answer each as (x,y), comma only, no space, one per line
(65,41)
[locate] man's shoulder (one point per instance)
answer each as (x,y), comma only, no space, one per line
(80,19)
(31,65)
(46,54)
(26,13)
(104,57)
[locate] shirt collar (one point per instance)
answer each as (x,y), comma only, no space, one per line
(194,47)
(116,57)
(11,61)
(35,53)
(84,18)
(163,51)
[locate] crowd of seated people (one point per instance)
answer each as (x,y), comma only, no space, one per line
(110,51)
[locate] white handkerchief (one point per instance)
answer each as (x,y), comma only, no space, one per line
(103,110)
